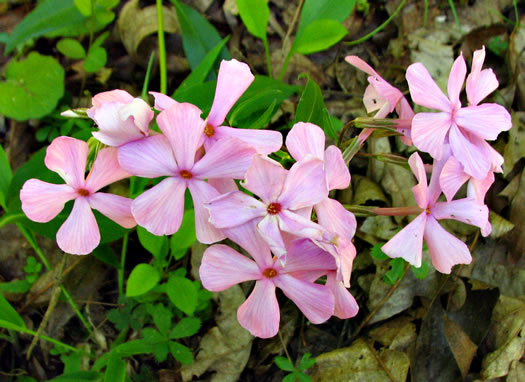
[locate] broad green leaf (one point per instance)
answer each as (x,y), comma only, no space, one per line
(142,279)
(313,10)
(133,347)
(378,253)
(162,319)
(159,343)
(255,15)
(79,376)
(422,271)
(15,286)
(283,363)
(5,177)
(396,272)
(109,4)
(116,369)
(318,36)
(331,125)
(181,353)
(100,39)
(156,245)
(201,95)
(303,377)
(186,327)
(96,59)
(184,238)
(84,6)
(32,88)
(311,105)
(198,35)
(71,48)
(106,254)
(8,313)
(183,294)
(291,377)
(306,362)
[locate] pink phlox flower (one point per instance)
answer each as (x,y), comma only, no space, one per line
(284,196)
(464,128)
(445,249)
(384,98)
(42,201)
(161,208)
(233,80)
(120,117)
(223,267)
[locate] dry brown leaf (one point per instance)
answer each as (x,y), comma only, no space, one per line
(497,364)
(461,345)
(515,148)
(396,334)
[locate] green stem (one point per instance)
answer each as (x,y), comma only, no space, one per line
(285,64)
(454,13)
(162,50)
(6,219)
(379,28)
(123,253)
(268,57)
(425,14)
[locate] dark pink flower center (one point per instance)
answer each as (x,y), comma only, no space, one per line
(269,273)
(186,174)
(83,192)
(274,208)
(209,130)
(427,210)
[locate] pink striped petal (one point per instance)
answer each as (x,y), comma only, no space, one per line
(259,314)
(223,185)
(305,185)
(115,127)
(115,207)
(373,101)
(334,217)
(465,210)
(222,267)
(485,121)
(386,92)
(408,243)
(67,157)
(361,65)
(160,209)
(477,189)
(264,141)
(456,80)
(106,170)
(265,178)
(428,132)
(445,249)
(233,80)
(346,254)
(337,173)
(434,188)
(314,300)
(233,209)
(140,112)
(469,151)
(229,158)
(305,138)
(303,255)
(79,235)
(162,101)
(42,201)
(201,193)
(480,83)
(183,126)
(421,189)
(300,226)
(452,177)
(424,90)
(150,157)
(345,305)
(116,95)
(268,228)
(247,236)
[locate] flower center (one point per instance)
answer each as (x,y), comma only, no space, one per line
(83,192)
(186,174)
(274,208)
(269,273)
(209,130)
(427,210)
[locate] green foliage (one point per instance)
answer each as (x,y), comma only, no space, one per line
(255,15)
(142,279)
(32,269)
(32,88)
(314,10)
(96,59)
(156,245)
(182,293)
(71,48)
(397,266)
(319,35)
(184,238)
(9,314)
(116,369)
(498,46)
(296,373)
(5,177)
(129,315)
(79,376)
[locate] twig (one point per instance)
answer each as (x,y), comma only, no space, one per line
(284,348)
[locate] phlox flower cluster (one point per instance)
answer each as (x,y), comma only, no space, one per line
(270,215)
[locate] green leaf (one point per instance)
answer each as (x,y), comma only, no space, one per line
(184,238)
(283,363)
(142,279)
(5,177)
(79,376)
(106,254)
(8,313)
(332,125)
(313,10)
(201,95)
(290,377)
(318,36)
(71,48)
(311,105)
(186,327)
(15,286)
(183,294)
(306,362)
(394,274)
(255,15)
(133,347)
(422,271)
(100,39)
(32,88)
(158,342)
(156,245)
(116,369)
(162,319)
(304,378)
(378,253)
(84,6)
(96,59)
(181,353)
(198,35)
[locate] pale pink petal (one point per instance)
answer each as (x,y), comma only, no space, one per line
(116,128)
(424,90)
(465,210)
(361,65)
(337,173)
(229,158)
(259,314)
(268,228)
(115,207)
(456,79)
(79,235)
(201,193)
(452,177)
(300,226)
(160,209)
(486,121)
(496,158)
(222,267)
(106,170)
(421,189)
(334,217)
(67,157)
(305,184)
(42,201)
(223,185)
(183,126)
(264,141)
(480,83)
(434,188)
(477,189)
(265,178)
(428,132)
(303,255)
(346,253)
(247,236)
(116,95)
(150,157)
(305,138)
(345,305)
(141,113)
(233,80)
(470,152)
(162,101)
(374,101)
(314,300)
(408,243)
(445,249)
(233,209)
(404,110)
(386,92)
